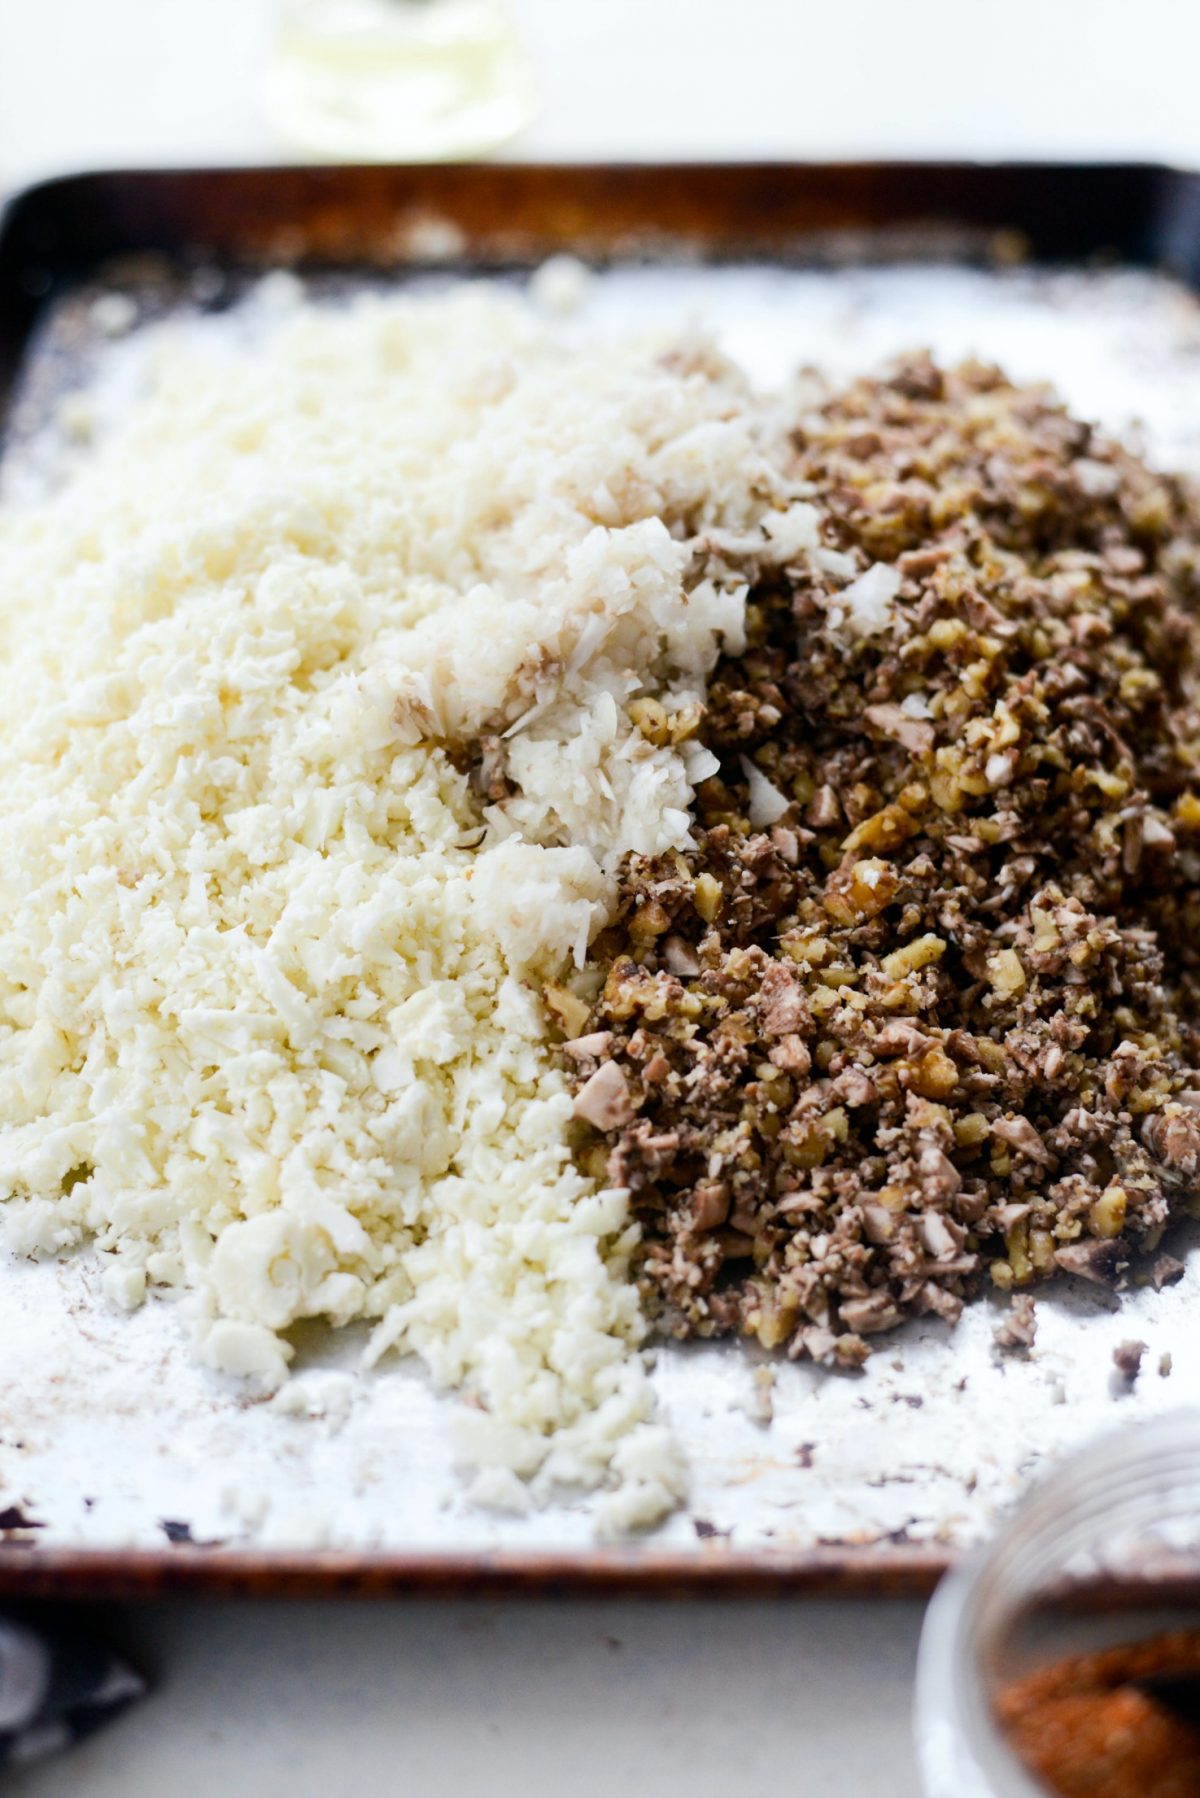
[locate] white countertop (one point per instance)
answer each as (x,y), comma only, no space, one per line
(574,1699)
(515,1701)
(133,81)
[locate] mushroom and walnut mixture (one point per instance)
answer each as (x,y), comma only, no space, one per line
(919,1010)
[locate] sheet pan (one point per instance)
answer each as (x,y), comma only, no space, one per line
(124,1467)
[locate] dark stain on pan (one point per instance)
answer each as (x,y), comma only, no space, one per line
(13,1518)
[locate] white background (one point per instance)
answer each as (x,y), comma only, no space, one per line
(575,1700)
(131,81)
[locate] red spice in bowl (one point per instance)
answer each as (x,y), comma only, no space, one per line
(1091,1726)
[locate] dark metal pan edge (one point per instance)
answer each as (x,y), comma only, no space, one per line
(493,214)
(711,1571)
(1066,209)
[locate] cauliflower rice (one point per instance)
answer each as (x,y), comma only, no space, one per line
(271,1016)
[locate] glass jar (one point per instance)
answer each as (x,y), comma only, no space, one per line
(1106,1550)
(398,80)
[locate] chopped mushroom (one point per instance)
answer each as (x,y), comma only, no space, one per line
(946,839)
(1017,1330)
(604,1099)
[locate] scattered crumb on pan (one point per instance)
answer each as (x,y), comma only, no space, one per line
(1017,1330)
(1127,1359)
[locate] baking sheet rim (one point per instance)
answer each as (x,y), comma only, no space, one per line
(711,1571)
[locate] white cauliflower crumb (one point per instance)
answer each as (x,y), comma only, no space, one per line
(249,1351)
(865,606)
(499,1489)
(652,1480)
(560,285)
(321,1393)
(124,1286)
(795,533)
(114,314)
(767,803)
